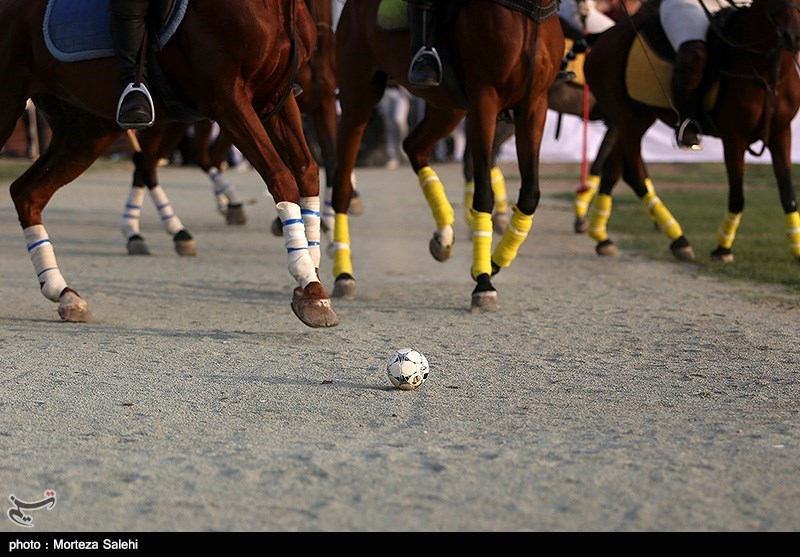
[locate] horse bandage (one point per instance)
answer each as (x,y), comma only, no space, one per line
(301,267)
(41,252)
(309,209)
(341,246)
(513,236)
(793,232)
(599,213)
(499,190)
(223,191)
(726,233)
(481,243)
(434,192)
(133,210)
(585,194)
(169,219)
(659,213)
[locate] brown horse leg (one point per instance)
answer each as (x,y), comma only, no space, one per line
(71,151)
(436,123)
(780,150)
(310,302)
(155,142)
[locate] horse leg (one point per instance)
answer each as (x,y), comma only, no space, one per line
(71,151)
(310,303)
(212,156)
(587,190)
(437,122)
(146,162)
(733,150)
(358,98)
(780,150)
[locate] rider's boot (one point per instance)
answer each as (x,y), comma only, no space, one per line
(128,31)
(690,64)
(425,69)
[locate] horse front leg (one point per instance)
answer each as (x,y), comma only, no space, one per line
(780,150)
(310,302)
(436,123)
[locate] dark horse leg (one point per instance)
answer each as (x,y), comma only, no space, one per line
(153,144)
(212,155)
(78,139)
(780,148)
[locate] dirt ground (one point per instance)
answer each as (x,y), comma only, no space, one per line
(606,395)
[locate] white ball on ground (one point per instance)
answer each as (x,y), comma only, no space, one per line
(407,368)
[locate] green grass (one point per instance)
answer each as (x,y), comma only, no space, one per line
(696,194)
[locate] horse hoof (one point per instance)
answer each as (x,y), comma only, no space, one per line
(581,225)
(356,205)
(500,222)
(235,214)
(722,255)
(137,246)
(607,248)
(439,251)
(277,227)
(312,306)
(73,308)
(682,250)
(184,243)
(344,287)
(485,301)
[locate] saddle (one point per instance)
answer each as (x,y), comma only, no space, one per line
(393,16)
(651,59)
(76,30)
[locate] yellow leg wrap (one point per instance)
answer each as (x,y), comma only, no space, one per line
(513,236)
(434,192)
(585,195)
(341,246)
(726,233)
(599,213)
(793,232)
(648,183)
(661,216)
(481,243)
(469,193)
(499,189)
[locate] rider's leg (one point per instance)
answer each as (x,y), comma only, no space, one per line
(687,75)
(425,69)
(128,31)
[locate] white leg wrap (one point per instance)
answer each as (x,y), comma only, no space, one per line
(172,224)
(301,266)
(223,189)
(44,262)
(309,208)
(133,209)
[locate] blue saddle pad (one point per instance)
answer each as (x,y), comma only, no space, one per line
(77,30)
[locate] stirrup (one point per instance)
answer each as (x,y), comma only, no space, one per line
(141,88)
(682,130)
(425,51)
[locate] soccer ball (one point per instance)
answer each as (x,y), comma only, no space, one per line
(407,369)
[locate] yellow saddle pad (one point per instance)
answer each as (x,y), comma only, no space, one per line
(576,64)
(648,77)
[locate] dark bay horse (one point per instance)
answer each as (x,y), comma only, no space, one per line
(753,98)
(316,97)
(232,62)
(497,60)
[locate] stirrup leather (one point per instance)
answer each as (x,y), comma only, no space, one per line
(141,88)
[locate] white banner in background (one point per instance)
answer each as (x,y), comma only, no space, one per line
(658,144)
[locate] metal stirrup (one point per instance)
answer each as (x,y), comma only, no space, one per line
(141,88)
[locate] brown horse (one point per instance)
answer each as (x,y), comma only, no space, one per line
(316,97)
(753,97)
(498,60)
(231,62)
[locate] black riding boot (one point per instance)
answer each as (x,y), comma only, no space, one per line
(425,69)
(687,76)
(128,32)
